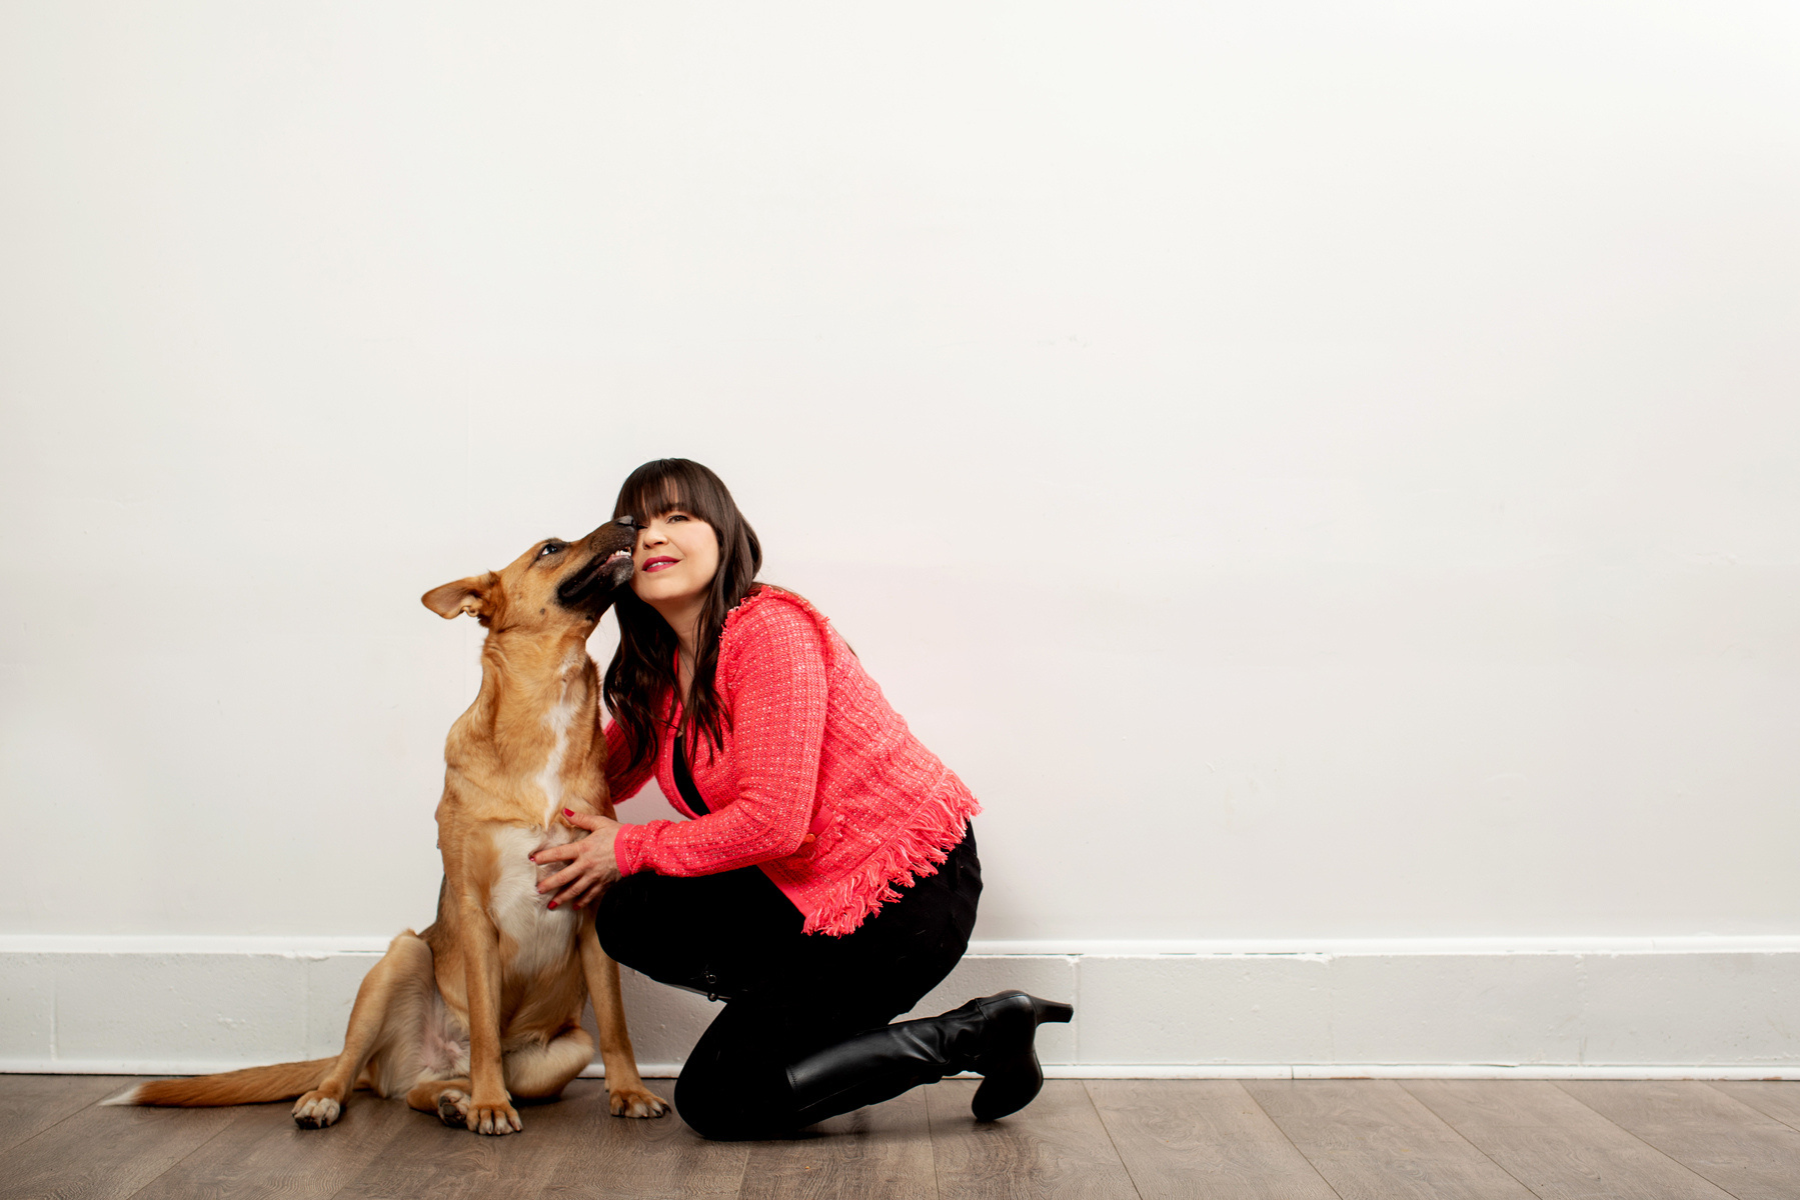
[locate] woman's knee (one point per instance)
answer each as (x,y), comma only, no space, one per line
(726,1105)
(625,919)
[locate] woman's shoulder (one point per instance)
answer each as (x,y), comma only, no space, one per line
(770,614)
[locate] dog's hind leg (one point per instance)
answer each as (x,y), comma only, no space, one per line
(405,966)
(447,1098)
(541,1072)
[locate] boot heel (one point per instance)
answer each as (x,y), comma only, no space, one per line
(1009,1083)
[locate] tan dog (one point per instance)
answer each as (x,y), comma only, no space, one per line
(486,1004)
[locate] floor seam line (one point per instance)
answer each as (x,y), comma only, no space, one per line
(1270,1118)
(399,1129)
(71,1115)
(198,1146)
(1110,1140)
(937,1187)
(1465,1140)
(1779,1121)
(1641,1141)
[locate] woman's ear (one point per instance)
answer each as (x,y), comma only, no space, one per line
(473,595)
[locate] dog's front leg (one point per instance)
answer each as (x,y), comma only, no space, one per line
(624,1087)
(489,1108)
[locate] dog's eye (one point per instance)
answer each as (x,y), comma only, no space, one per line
(551,548)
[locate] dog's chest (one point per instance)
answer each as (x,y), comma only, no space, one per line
(542,938)
(558,721)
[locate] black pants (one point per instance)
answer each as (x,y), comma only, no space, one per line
(736,937)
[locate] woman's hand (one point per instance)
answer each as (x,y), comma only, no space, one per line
(591,862)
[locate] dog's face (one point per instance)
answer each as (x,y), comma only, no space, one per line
(554,584)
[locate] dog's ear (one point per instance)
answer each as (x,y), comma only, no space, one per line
(472,595)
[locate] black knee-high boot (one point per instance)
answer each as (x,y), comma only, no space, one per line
(992,1036)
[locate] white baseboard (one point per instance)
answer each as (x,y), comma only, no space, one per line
(1638,1008)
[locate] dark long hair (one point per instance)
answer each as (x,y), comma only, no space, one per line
(642,671)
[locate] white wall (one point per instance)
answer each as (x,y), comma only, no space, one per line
(1316,470)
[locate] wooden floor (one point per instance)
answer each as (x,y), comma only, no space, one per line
(1281,1140)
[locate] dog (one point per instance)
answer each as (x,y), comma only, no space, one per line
(485,1005)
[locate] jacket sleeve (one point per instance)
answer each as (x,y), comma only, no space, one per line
(775,686)
(623,787)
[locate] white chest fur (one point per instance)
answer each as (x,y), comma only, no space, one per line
(542,937)
(557,720)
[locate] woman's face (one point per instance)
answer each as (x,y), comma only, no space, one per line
(676,558)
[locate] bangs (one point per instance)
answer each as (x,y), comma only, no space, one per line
(670,483)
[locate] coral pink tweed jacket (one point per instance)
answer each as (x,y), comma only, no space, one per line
(819,782)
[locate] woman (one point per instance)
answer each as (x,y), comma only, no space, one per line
(827,879)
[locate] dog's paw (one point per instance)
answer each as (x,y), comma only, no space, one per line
(494,1118)
(316,1110)
(453,1108)
(636,1102)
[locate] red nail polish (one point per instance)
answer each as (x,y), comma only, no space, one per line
(553,904)
(568,812)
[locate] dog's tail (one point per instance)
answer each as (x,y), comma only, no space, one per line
(254,1085)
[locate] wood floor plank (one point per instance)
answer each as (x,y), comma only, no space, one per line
(1185,1137)
(264,1154)
(1780,1100)
(1731,1144)
(1372,1140)
(30,1104)
(659,1159)
(1105,1139)
(882,1152)
(1055,1147)
(429,1158)
(1554,1144)
(106,1153)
